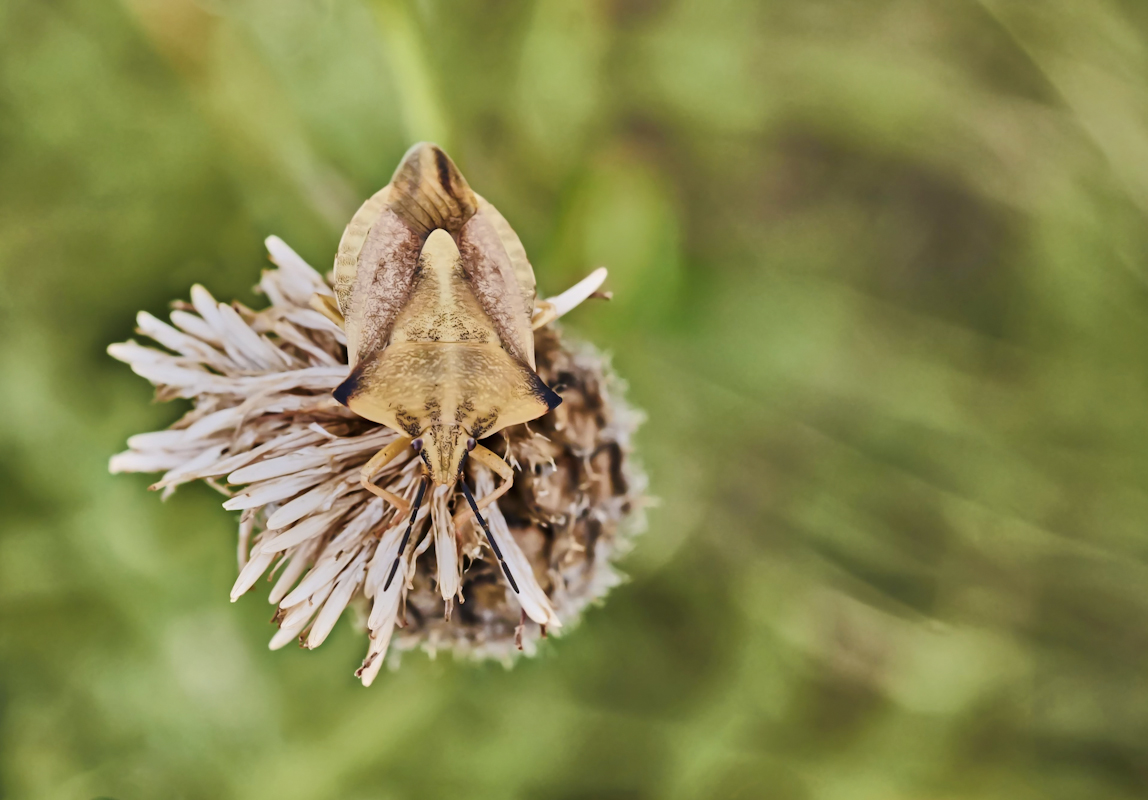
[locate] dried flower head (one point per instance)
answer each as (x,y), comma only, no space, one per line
(265,431)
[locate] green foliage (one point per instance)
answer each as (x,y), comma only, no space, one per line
(880,275)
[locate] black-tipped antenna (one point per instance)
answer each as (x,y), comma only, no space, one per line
(486,530)
(407,535)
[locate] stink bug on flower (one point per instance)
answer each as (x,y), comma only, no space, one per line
(427,338)
(437,299)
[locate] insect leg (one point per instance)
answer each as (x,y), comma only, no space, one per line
(490,460)
(486,530)
(326,305)
(373,467)
(407,535)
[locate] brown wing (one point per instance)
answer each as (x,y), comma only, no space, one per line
(429,192)
(490,273)
(384,279)
(354,236)
(374,268)
(523,272)
(378,255)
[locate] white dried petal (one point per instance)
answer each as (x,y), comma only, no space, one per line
(309,318)
(387,551)
(345,588)
(365,520)
(277,467)
(297,279)
(573,297)
(182,343)
(189,380)
(380,569)
(323,573)
(271,403)
(140,357)
(305,609)
(291,439)
(445,544)
(246,528)
(312,378)
(377,651)
(296,619)
(286,634)
(290,334)
(308,528)
(385,609)
(132,461)
(131,351)
(254,348)
(192,436)
(269,287)
(208,309)
(255,566)
(213,423)
(193,325)
(310,501)
(273,491)
(530,594)
(160,440)
(190,470)
(298,559)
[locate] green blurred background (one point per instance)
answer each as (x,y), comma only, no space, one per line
(880,282)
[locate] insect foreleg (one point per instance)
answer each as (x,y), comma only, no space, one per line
(407,535)
(490,460)
(486,529)
(326,305)
(376,465)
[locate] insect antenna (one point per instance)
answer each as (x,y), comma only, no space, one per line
(485,529)
(407,535)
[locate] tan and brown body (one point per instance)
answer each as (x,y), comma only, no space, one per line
(437,298)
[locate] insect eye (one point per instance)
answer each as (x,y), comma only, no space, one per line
(417,444)
(471,444)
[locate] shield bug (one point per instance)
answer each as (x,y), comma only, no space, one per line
(437,299)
